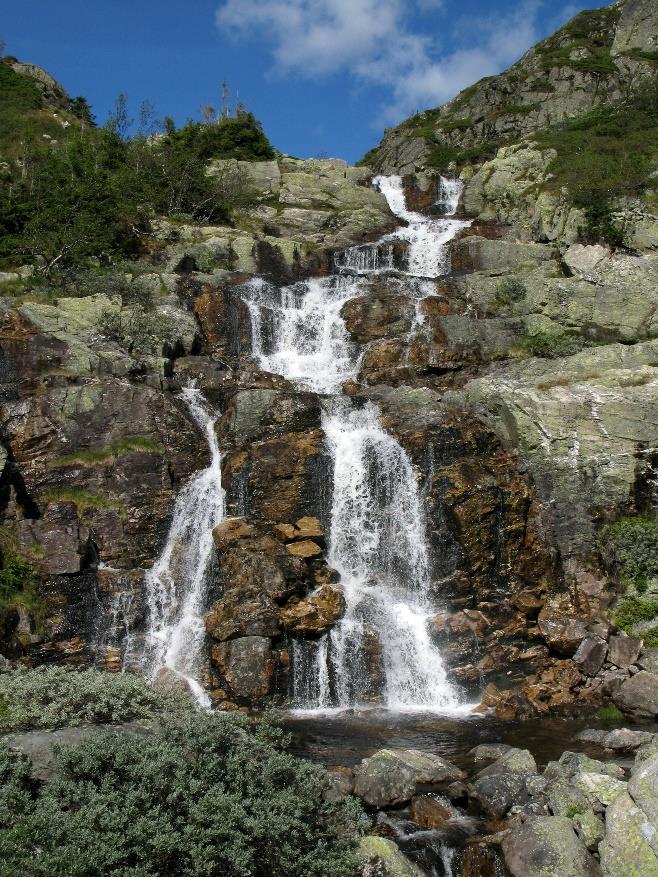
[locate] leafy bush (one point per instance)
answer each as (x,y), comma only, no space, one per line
(241,137)
(19,587)
(509,290)
(549,346)
(631,546)
(208,795)
(52,697)
(138,330)
(633,610)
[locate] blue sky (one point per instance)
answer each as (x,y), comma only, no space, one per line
(324,76)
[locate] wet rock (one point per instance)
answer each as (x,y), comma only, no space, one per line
(480,860)
(497,793)
(247,665)
(626,850)
(394,776)
(230,531)
(638,695)
(624,650)
(340,783)
(590,655)
(547,845)
(381,857)
(489,751)
(170,682)
(316,613)
(428,812)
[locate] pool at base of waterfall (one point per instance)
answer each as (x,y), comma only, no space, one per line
(344,738)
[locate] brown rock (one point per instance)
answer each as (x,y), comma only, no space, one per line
(304,549)
(231,530)
(285,532)
(308,528)
(314,614)
(561,627)
(427,812)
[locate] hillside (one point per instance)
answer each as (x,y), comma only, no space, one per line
(596,61)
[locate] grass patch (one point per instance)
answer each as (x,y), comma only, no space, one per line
(550,346)
(609,713)
(509,290)
(455,125)
(84,500)
(91,456)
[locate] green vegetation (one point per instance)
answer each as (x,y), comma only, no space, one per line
(509,290)
(630,546)
(19,588)
(573,810)
(604,156)
(83,499)
(609,713)
(550,345)
(91,456)
(633,610)
(650,637)
(588,37)
(455,125)
(55,697)
(82,194)
(204,796)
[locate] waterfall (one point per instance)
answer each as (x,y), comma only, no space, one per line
(298,330)
(449,193)
(177,583)
(428,254)
(378,545)
(377,535)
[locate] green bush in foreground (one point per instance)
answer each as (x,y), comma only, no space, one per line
(207,796)
(51,697)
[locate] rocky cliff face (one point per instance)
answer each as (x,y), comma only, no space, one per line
(522,387)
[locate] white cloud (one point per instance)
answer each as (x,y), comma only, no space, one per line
(373,41)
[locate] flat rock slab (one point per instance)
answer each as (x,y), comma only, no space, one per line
(395,776)
(547,846)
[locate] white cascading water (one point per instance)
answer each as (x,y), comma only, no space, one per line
(177,583)
(377,538)
(428,254)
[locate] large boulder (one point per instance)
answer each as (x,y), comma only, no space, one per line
(626,849)
(547,846)
(643,789)
(638,695)
(394,776)
(381,857)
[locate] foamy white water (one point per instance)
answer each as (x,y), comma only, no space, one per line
(428,239)
(377,540)
(298,331)
(377,543)
(176,585)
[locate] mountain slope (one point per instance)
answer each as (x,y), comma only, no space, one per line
(596,60)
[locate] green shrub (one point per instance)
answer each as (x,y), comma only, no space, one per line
(138,330)
(208,796)
(509,290)
(549,346)
(630,545)
(52,697)
(632,611)
(19,587)
(650,637)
